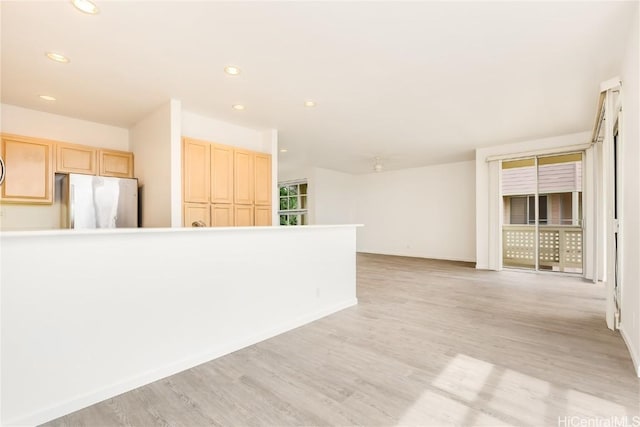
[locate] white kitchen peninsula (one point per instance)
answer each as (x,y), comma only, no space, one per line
(87,315)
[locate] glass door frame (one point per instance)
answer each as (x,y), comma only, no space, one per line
(582,207)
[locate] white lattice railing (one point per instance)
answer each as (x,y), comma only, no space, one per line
(560,248)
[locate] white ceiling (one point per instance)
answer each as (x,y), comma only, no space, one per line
(414,83)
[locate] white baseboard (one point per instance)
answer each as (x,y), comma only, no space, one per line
(88,399)
(418,255)
(635,358)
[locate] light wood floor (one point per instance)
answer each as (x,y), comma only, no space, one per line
(430,343)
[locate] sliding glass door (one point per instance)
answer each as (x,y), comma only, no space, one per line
(542,213)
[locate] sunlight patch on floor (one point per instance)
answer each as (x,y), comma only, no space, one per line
(583,404)
(464,376)
(467,383)
(521,394)
(432,408)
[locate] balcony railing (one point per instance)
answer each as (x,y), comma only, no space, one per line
(559,249)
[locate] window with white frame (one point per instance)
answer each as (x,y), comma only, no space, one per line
(293,203)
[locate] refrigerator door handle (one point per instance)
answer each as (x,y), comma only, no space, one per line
(2,171)
(71,206)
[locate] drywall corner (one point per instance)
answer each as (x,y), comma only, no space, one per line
(176,162)
(151,146)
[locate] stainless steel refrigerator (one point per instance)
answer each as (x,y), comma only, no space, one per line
(99,202)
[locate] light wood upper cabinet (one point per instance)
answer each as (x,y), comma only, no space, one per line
(71,158)
(222,215)
(221,174)
(262,179)
(196,213)
(29,170)
(243,177)
(243,215)
(262,215)
(115,163)
(196,167)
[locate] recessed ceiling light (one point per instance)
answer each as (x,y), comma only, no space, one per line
(238,107)
(57,57)
(232,70)
(283,150)
(309,103)
(47,97)
(86,6)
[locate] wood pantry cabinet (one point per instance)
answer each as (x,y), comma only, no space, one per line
(235,183)
(29,170)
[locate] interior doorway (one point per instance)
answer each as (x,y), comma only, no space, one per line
(542,206)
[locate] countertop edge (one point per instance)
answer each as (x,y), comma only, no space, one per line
(114,231)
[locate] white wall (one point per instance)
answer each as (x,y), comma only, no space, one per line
(630,226)
(151,143)
(77,330)
(483,240)
(22,121)
(423,212)
(213,130)
(334,197)
(295,172)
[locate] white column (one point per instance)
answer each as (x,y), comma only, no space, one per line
(589,200)
(495,216)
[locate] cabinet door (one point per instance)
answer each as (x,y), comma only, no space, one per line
(262,179)
(243,174)
(195,213)
(75,159)
(115,163)
(243,215)
(222,215)
(221,174)
(29,170)
(262,215)
(196,166)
